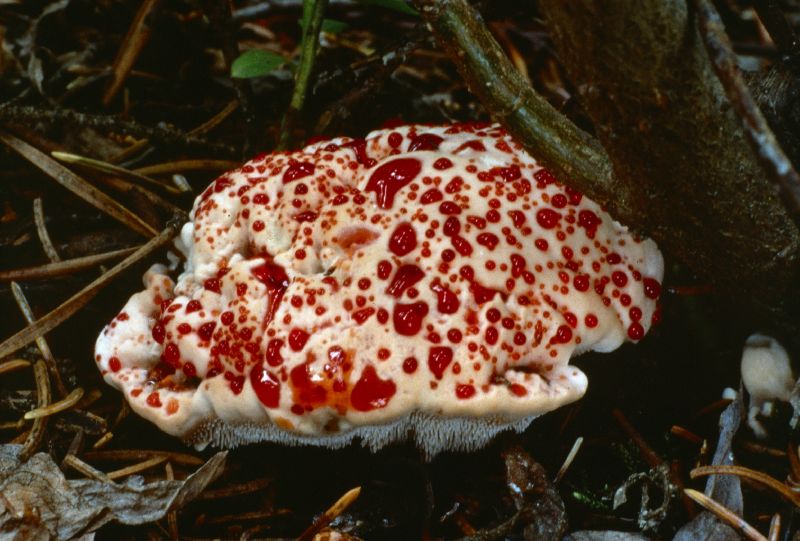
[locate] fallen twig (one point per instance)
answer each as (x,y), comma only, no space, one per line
(334,511)
(763,142)
(69,266)
(762,478)
(34,437)
(725,514)
(41,342)
(41,230)
(76,184)
(135,40)
(71,305)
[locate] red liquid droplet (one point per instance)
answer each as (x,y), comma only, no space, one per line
(405,277)
(451,226)
(370,391)
(307,216)
(581,282)
(274,277)
(589,221)
(447,301)
(266,386)
(306,391)
(563,335)
(403,240)
(442,163)
(461,245)
(425,141)
(548,218)
(410,365)
(544,176)
(362,315)
(206,330)
(158,332)
(439,358)
(431,196)
(172,355)
(387,179)
(114,364)
(489,240)
(464,392)
(651,288)
(153,400)
(297,339)
(635,331)
(212,284)
(359,146)
(407,318)
(481,294)
(273,353)
(297,170)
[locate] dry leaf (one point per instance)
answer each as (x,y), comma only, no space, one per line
(38,502)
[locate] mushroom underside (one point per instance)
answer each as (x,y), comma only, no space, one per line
(432,434)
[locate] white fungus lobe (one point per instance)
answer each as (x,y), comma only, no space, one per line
(767,376)
(430,282)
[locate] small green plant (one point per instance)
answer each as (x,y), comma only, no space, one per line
(256,63)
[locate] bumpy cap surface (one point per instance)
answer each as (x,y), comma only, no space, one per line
(435,280)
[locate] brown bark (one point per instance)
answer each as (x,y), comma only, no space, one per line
(674,162)
(662,116)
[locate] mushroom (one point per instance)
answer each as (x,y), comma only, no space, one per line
(431,282)
(767,376)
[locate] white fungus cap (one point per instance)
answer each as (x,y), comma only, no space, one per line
(424,281)
(767,376)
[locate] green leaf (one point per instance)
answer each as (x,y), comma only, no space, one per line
(396,5)
(329,26)
(256,63)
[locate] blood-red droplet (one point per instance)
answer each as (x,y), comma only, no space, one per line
(410,365)
(635,331)
(489,240)
(172,355)
(275,278)
(153,400)
(212,284)
(114,364)
(266,386)
(390,177)
(297,170)
(158,332)
(407,318)
(297,339)
(405,277)
(273,353)
(464,392)
(439,358)
(431,196)
(403,239)
(548,218)
(447,301)
(370,391)
(619,278)
(563,335)
(652,289)
(425,141)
